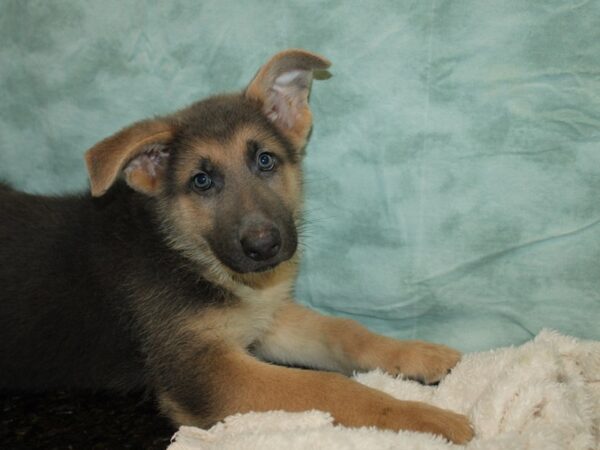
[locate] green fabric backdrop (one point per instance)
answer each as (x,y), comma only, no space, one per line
(453,176)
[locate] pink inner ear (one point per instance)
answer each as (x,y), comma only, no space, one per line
(151,160)
(287,97)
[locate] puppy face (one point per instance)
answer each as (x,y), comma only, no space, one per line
(225,172)
(232,187)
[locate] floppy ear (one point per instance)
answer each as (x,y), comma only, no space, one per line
(282,86)
(138,151)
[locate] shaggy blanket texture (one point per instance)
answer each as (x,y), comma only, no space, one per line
(542,395)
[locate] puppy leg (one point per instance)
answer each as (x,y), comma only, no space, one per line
(302,336)
(240,383)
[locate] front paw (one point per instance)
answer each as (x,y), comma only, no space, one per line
(425,418)
(455,427)
(421,361)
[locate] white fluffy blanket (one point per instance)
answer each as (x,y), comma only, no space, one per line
(542,395)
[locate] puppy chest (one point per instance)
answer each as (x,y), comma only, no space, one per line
(251,321)
(244,322)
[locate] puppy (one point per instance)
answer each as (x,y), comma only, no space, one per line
(175,274)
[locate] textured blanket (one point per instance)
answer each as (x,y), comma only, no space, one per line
(542,395)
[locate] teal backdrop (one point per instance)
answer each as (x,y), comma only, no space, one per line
(453,174)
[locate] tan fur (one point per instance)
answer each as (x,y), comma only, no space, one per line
(262,387)
(247,320)
(346,346)
(143,183)
(279,330)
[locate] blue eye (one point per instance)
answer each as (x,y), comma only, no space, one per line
(201,181)
(265,161)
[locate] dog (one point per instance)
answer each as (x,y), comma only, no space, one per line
(174,274)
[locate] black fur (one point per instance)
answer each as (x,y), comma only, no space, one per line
(72,267)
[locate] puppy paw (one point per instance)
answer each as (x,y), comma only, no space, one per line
(454,427)
(425,418)
(422,361)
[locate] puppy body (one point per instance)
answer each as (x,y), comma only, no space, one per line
(66,264)
(175,274)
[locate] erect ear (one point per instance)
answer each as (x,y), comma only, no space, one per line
(282,86)
(138,151)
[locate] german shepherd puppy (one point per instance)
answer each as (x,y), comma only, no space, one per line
(175,274)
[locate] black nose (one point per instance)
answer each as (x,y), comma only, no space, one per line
(261,242)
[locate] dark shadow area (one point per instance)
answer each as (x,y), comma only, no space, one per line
(67,420)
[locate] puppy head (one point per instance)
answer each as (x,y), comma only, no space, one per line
(225,172)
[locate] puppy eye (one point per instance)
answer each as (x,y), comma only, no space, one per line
(265,161)
(201,181)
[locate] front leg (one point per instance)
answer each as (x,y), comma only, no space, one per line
(301,336)
(221,380)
